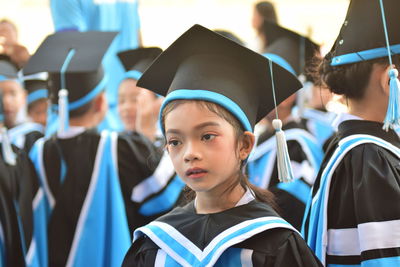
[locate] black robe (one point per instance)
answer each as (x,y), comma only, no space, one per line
(137,160)
(273,247)
(364,192)
(19,187)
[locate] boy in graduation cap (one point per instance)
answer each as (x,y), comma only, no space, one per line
(215,94)
(138,109)
(22,134)
(131,97)
(87,176)
(26,134)
(354,216)
(291,51)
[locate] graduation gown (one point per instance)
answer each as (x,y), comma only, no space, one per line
(11,247)
(319,123)
(305,154)
(22,190)
(25,135)
(88,179)
(354,218)
(251,234)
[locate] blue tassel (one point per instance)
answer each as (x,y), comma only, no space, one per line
(63,111)
(285,172)
(392,118)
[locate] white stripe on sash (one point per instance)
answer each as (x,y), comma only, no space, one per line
(379,235)
(160,258)
(31,252)
(114,150)
(343,242)
(88,200)
(38,197)
(2,240)
(246,257)
(156,182)
(217,246)
(42,172)
(352,142)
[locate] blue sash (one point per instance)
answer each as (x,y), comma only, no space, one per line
(17,133)
(180,250)
(102,235)
(317,207)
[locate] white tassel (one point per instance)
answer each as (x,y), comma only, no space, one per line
(285,172)
(8,154)
(63,111)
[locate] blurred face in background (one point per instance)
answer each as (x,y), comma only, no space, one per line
(37,111)
(14,98)
(127,103)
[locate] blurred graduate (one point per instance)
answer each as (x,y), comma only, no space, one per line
(291,51)
(353,218)
(88,177)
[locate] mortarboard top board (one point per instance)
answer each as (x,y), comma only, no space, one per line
(136,61)
(203,65)
(8,71)
(362,35)
(290,48)
(230,35)
(36,87)
(72,58)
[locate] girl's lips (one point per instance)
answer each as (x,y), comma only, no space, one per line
(195,173)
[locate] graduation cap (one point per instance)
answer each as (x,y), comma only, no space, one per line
(8,71)
(136,61)
(371,30)
(73,61)
(36,87)
(288,48)
(230,35)
(203,65)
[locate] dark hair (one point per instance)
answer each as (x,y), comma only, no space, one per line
(81,110)
(267,11)
(260,194)
(34,103)
(349,80)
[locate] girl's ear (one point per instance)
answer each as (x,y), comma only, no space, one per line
(246,145)
(384,80)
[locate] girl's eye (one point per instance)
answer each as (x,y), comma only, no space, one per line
(208,137)
(173,143)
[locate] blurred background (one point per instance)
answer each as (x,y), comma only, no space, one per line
(162,21)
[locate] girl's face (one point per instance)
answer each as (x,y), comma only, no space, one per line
(14,98)
(38,111)
(203,148)
(127,105)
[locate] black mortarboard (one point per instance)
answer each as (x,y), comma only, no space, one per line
(203,65)
(362,36)
(136,61)
(230,35)
(73,61)
(36,87)
(289,47)
(7,70)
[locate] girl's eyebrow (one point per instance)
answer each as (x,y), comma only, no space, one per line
(197,127)
(205,124)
